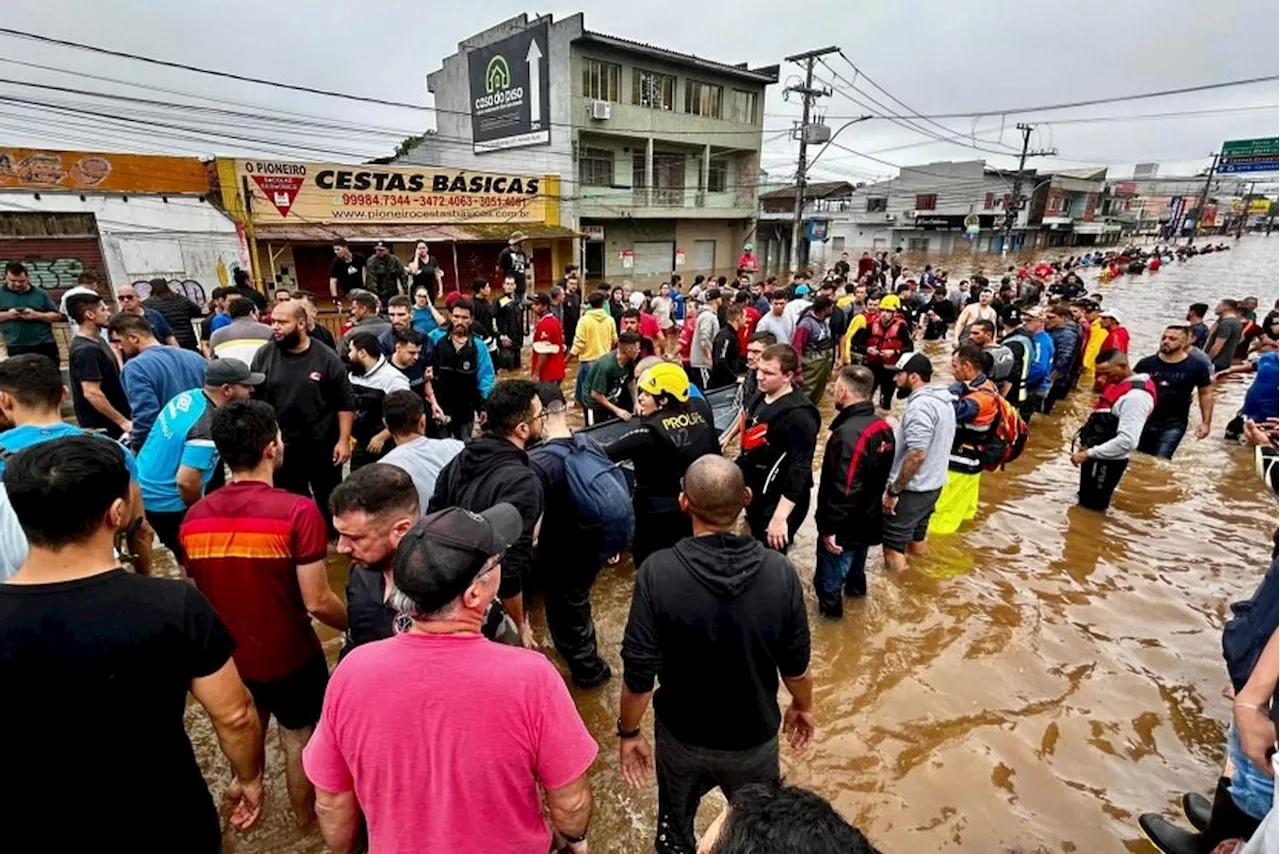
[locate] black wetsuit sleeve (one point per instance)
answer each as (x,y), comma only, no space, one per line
(800,431)
(641,652)
(633,441)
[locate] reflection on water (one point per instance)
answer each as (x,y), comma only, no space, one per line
(1038,680)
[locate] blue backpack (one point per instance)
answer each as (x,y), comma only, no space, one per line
(599,490)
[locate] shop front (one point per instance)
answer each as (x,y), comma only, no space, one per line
(293,213)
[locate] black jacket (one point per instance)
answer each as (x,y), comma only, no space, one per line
(781,464)
(662,446)
(726,362)
(855,470)
(490,470)
(369,618)
(716,620)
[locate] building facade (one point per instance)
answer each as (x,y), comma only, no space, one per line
(657,152)
(128,218)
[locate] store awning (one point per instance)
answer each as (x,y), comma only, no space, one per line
(409,233)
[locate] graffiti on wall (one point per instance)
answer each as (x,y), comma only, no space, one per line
(51,274)
(189,288)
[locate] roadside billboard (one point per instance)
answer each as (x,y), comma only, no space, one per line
(511,92)
(100,172)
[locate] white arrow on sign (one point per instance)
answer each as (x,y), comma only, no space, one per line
(534,57)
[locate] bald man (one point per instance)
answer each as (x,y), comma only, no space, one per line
(717,619)
(308,387)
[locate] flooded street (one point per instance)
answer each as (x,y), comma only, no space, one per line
(1037,681)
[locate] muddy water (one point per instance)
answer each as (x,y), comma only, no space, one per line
(1037,681)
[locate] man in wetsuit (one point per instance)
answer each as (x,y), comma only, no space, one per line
(509,323)
(779,432)
(667,437)
(462,373)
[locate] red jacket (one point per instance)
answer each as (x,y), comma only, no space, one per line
(1118,339)
(750,317)
(548,367)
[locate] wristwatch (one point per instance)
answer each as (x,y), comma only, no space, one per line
(627,733)
(890,492)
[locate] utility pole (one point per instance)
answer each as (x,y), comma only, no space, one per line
(1244,212)
(808,94)
(1015,200)
(1204,197)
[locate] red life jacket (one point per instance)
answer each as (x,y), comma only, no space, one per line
(885,340)
(1112,392)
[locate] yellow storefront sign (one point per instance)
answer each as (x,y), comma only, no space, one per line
(293,192)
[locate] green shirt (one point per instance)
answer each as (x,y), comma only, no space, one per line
(26,333)
(609,378)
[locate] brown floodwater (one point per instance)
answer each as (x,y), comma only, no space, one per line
(1035,682)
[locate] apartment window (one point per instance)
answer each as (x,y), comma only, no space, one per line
(917,244)
(989,202)
(1066,207)
(595,167)
(1053,203)
(653,90)
(877,205)
(703,99)
(717,175)
(742,106)
(926,201)
(601,80)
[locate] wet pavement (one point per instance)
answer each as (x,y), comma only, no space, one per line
(1037,681)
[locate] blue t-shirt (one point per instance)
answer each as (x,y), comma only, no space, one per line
(181,436)
(219,320)
(23,437)
(424,321)
(1262,400)
(159,326)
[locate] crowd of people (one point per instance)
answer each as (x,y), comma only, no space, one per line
(253,443)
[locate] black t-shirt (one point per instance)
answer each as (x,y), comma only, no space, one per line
(414,373)
(96,673)
(348,273)
(1175,384)
(91,361)
(254,296)
(426,277)
(514,263)
(307,390)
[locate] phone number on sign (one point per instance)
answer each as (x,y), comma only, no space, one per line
(405,200)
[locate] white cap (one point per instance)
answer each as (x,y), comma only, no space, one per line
(1108,312)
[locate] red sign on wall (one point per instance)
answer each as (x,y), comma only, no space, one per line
(280,190)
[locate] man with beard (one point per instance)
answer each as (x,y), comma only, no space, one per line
(816,346)
(372,377)
(493,469)
(1177,373)
(509,324)
(779,431)
(462,372)
(307,386)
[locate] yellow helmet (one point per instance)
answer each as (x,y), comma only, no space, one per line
(890,302)
(666,378)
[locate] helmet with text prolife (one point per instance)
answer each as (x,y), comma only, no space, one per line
(666,378)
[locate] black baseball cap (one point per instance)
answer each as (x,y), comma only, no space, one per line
(915,363)
(1011,316)
(542,299)
(231,372)
(710,294)
(446,551)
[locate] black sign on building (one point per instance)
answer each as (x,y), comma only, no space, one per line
(511,92)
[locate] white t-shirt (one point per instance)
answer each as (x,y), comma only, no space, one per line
(422,459)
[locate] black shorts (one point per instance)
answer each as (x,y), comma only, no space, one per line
(296,699)
(910,520)
(166,525)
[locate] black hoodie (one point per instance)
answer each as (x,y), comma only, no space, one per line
(488,471)
(715,620)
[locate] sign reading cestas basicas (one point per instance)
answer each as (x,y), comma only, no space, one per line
(510,92)
(287,191)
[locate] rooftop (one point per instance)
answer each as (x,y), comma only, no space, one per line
(763,76)
(814,190)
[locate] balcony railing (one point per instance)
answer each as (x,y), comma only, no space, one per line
(663,197)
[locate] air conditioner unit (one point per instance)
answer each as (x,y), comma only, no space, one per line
(888,217)
(909,214)
(601,110)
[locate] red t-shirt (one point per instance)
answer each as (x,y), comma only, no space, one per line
(445,740)
(649,326)
(1117,338)
(748,262)
(548,367)
(244,543)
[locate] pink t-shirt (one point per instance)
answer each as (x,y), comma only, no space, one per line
(445,740)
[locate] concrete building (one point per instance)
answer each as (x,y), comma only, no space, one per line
(657,151)
(1148,204)
(127,217)
(824,202)
(1066,205)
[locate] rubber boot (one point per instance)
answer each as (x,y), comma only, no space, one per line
(1197,809)
(1167,837)
(1226,820)
(831,608)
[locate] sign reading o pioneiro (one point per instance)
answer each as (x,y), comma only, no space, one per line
(510,92)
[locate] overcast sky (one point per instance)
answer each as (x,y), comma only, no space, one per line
(938,56)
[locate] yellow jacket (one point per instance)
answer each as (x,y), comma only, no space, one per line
(857,323)
(595,335)
(1091,350)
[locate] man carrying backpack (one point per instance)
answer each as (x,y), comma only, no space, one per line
(494,468)
(977,405)
(667,437)
(569,549)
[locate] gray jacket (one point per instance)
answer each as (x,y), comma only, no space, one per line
(928,424)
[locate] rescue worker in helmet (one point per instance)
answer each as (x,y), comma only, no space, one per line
(669,434)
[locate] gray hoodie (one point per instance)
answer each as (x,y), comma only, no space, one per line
(929,424)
